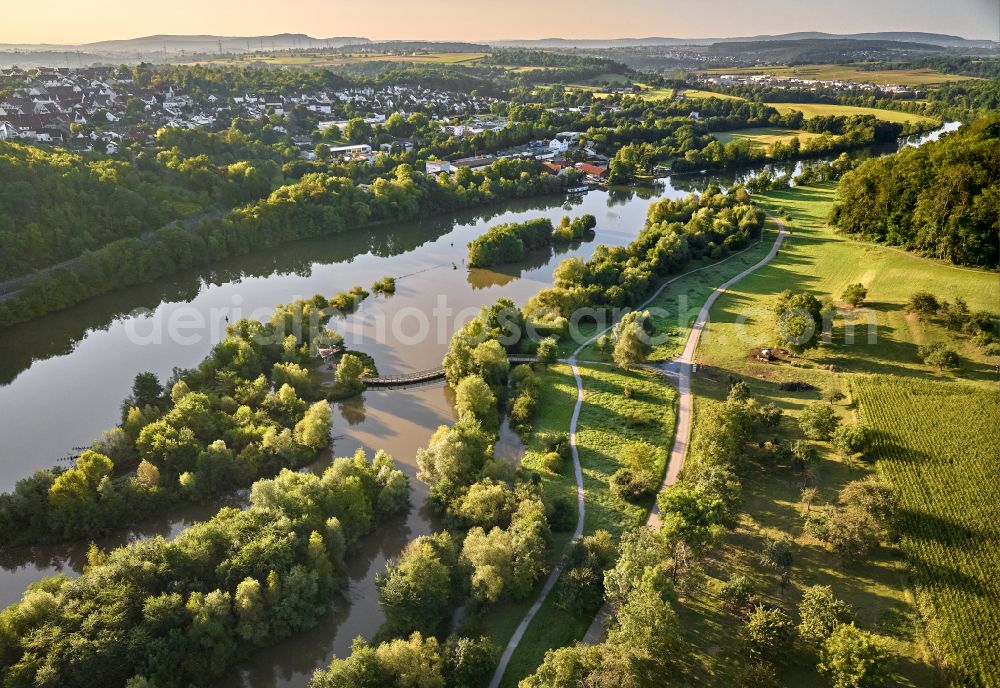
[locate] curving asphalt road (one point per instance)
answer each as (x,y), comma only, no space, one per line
(681,368)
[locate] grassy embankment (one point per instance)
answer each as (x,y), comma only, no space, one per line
(608,420)
(925,419)
(823,109)
(698,94)
(762,137)
(849,72)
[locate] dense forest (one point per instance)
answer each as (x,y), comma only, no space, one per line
(941,199)
(56,205)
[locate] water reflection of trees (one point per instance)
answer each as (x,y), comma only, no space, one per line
(499,275)
(58,334)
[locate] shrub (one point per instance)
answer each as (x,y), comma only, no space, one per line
(818,421)
(852,658)
(385,286)
(737,593)
(939,356)
(854,294)
(820,613)
(923,303)
(770,634)
(850,440)
(553,462)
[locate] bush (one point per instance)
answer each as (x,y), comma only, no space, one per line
(385,286)
(562,513)
(852,658)
(850,440)
(553,462)
(854,294)
(820,613)
(737,594)
(770,634)
(923,303)
(626,484)
(818,421)
(939,356)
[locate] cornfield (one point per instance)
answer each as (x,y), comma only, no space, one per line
(939,444)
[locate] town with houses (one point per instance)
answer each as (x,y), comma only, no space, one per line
(783,82)
(102,109)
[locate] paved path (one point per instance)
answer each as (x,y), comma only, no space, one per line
(675,368)
(682,365)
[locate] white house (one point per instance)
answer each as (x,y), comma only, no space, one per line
(438,166)
(355,152)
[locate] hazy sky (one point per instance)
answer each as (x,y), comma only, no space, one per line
(73,21)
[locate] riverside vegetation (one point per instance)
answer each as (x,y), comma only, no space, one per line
(778,556)
(255,405)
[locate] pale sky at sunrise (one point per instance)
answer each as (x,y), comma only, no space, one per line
(72,21)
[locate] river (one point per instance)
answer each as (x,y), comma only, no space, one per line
(63,377)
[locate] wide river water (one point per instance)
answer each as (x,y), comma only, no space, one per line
(63,377)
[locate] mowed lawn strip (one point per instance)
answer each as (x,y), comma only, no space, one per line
(762,137)
(918,76)
(608,420)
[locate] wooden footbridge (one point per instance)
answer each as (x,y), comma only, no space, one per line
(421,376)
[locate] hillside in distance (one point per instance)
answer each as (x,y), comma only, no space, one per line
(936,39)
(196,43)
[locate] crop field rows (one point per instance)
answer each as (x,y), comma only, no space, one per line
(943,460)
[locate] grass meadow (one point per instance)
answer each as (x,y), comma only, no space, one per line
(762,137)
(823,109)
(922,594)
(850,72)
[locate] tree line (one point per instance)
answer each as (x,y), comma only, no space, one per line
(941,199)
(507,243)
(316,205)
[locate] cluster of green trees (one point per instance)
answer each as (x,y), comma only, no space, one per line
(159,613)
(644,642)
(251,408)
(941,199)
(316,205)
(507,243)
(56,205)
(983,327)
(712,224)
(495,548)
(641,580)
(417,661)
(838,134)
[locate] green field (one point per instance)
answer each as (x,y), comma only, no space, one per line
(608,420)
(762,137)
(937,443)
(823,109)
(850,72)
(697,94)
(939,618)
